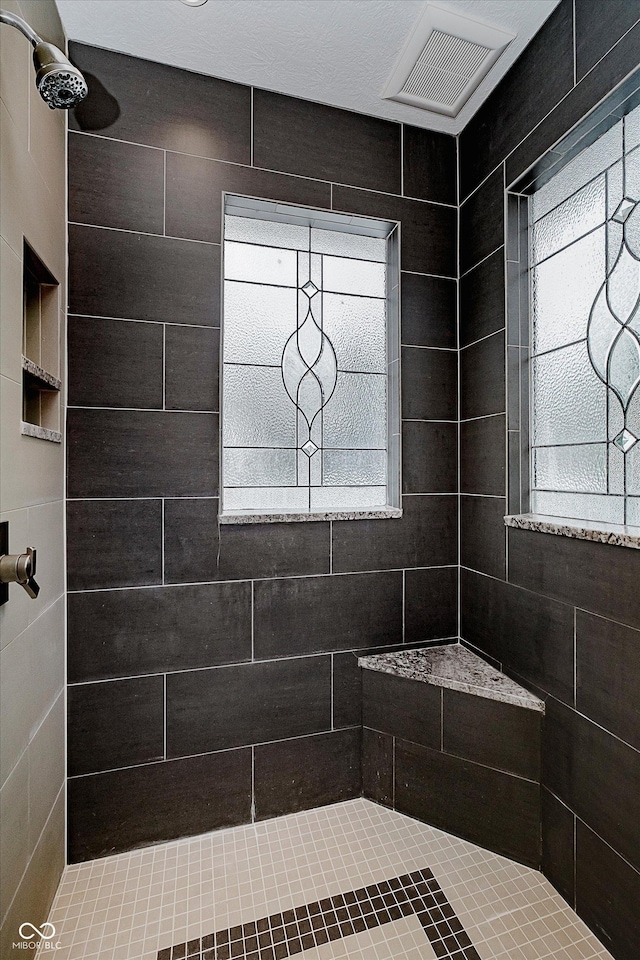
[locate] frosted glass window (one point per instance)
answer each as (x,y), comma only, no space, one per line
(309,363)
(585,344)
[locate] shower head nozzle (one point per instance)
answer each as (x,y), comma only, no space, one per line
(58,82)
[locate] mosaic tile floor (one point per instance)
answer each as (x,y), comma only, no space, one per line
(364,882)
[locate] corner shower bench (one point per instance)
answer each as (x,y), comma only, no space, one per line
(454,742)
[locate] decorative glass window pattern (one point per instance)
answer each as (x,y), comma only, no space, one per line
(310,406)
(585,351)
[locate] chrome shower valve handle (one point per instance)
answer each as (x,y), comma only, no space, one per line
(20,568)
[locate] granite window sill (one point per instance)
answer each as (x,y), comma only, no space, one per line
(614,533)
(379,513)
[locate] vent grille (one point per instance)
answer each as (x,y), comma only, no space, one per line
(444,68)
(444,59)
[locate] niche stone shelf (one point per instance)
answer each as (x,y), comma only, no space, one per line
(452,741)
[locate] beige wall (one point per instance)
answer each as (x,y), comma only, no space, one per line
(32,206)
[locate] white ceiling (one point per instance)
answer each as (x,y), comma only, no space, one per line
(339,52)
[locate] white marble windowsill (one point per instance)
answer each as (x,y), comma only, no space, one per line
(375,513)
(614,533)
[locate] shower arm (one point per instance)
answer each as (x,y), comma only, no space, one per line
(21,25)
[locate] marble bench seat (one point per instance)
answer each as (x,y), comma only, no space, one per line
(457,668)
(454,742)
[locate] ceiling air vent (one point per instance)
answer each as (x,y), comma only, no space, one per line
(443,61)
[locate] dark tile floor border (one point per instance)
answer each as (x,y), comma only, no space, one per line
(303,928)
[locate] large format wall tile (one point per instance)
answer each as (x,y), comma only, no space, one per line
(429,384)
(607,894)
(531,635)
(248,703)
(180,110)
(347,690)
(482,222)
(469,800)
(115,724)
(195,187)
(429,457)
(429,231)
(307,772)
(124,809)
(592,88)
(482,378)
(113,543)
(320,614)
(430,604)
(595,576)
(483,538)
(430,165)
(558,844)
(482,456)
(314,140)
(138,277)
(595,774)
(156,630)
(498,735)
(130,453)
(114,363)
(113,184)
(425,536)
(539,79)
(482,299)
(402,708)
(377,766)
(428,311)
(607,687)
(192,357)
(592,42)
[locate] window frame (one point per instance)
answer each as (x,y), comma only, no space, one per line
(519,414)
(236,204)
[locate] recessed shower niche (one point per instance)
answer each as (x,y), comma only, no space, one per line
(40,350)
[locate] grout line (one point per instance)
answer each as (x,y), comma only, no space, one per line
(420,346)
(330,546)
(253,656)
(404,605)
(162,539)
(332,683)
(486,416)
(253,783)
(488,336)
(167,323)
(165,714)
(280,173)
(210,753)
(393,772)
(575,660)
(297,576)
(164,193)
(140,233)
(252,131)
(402,160)
(164,370)
(161,409)
(466,273)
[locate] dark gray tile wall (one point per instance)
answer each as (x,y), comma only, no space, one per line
(222,659)
(468,765)
(560,615)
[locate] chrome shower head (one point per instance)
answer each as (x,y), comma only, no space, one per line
(58,82)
